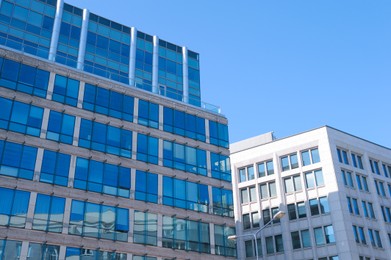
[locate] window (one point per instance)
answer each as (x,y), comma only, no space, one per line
(10,249)
(13,210)
(265,168)
(147,148)
(292,184)
(17,160)
(145,228)
(43,251)
(185,158)
(324,235)
(184,124)
(20,117)
(310,156)
(342,156)
(185,194)
(267,190)
(297,210)
(347,179)
(387,170)
(48,214)
(218,134)
(138,257)
(249,248)
(371,211)
(274,244)
(362,235)
(222,202)
(23,78)
(146,186)
(105,138)
(107,102)
(374,166)
(99,221)
(148,114)
(301,239)
(248,194)
(80,253)
(246,174)
(246,221)
(289,162)
(55,168)
(66,90)
(221,167)
(357,161)
(319,206)
(184,234)
(223,246)
(314,179)
(250,220)
(378,239)
(267,215)
(355,233)
(60,127)
(355,207)
(386,212)
(379,185)
(102,177)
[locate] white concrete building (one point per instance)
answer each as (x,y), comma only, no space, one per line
(335,189)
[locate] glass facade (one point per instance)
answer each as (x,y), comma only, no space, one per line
(13,210)
(49,213)
(144,54)
(66,90)
(55,168)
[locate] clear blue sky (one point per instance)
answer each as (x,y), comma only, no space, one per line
(280,65)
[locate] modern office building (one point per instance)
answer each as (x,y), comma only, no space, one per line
(106,149)
(335,189)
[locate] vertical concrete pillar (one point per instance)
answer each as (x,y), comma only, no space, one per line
(83,40)
(185,67)
(81,94)
(132,59)
(56,30)
(155,65)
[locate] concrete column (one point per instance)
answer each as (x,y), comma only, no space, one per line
(83,40)
(72,170)
(76,131)
(38,164)
(160,154)
(185,75)
(30,211)
(62,252)
(45,122)
(132,183)
(56,30)
(160,188)
(50,90)
(67,214)
(161,110)
(81,94)
(155,65)
(132,59)
(135,115)
(208,164)
(24,250)
(159,230)
(212,238)
(207,133)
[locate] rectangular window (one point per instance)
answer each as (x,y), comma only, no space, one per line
(145,228)
(66,90)
(148,114)
(60,127)
(105,138)
(20,117)
(10,249)
(223,246)
(99,221)
(218,134)
(17,160)
(374,166)
(355,233)
(55,168)
(13,210)
(305,238)
(324,235)
(292,211)
(146,186)
(357,161)
(23,78)
(246,174)
(222,202)
(347,178)
(292,184)
(108,102)
(246,221)
(355,207)
(265,168)
(267,190)
(296,242)
(102,177)
(43,251)
(314,179)
(248,194)
(221,167)
(185,158)
(310,156)
(80,253)
(147,148)
(48,214)
(342,156)
(289,162)
(274,244)
(362,235)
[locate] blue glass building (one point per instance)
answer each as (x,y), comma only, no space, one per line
(106,150)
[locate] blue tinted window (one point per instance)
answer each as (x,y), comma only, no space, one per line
(146,186)
(218,134)
(148,114)
(80,253)
(222,202)
(102,177)
(100,221)
(24,78)
(13,210)
(147,148)
(184,194)
(144,53)
(221,168)
(223,245)
(105,138)
(49,213)
(17,160)
(66,90)
(60,127)
(145,228)
(184,124)
(55,168)
(10,249)
(108,102)
(184,158)
(20,117)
